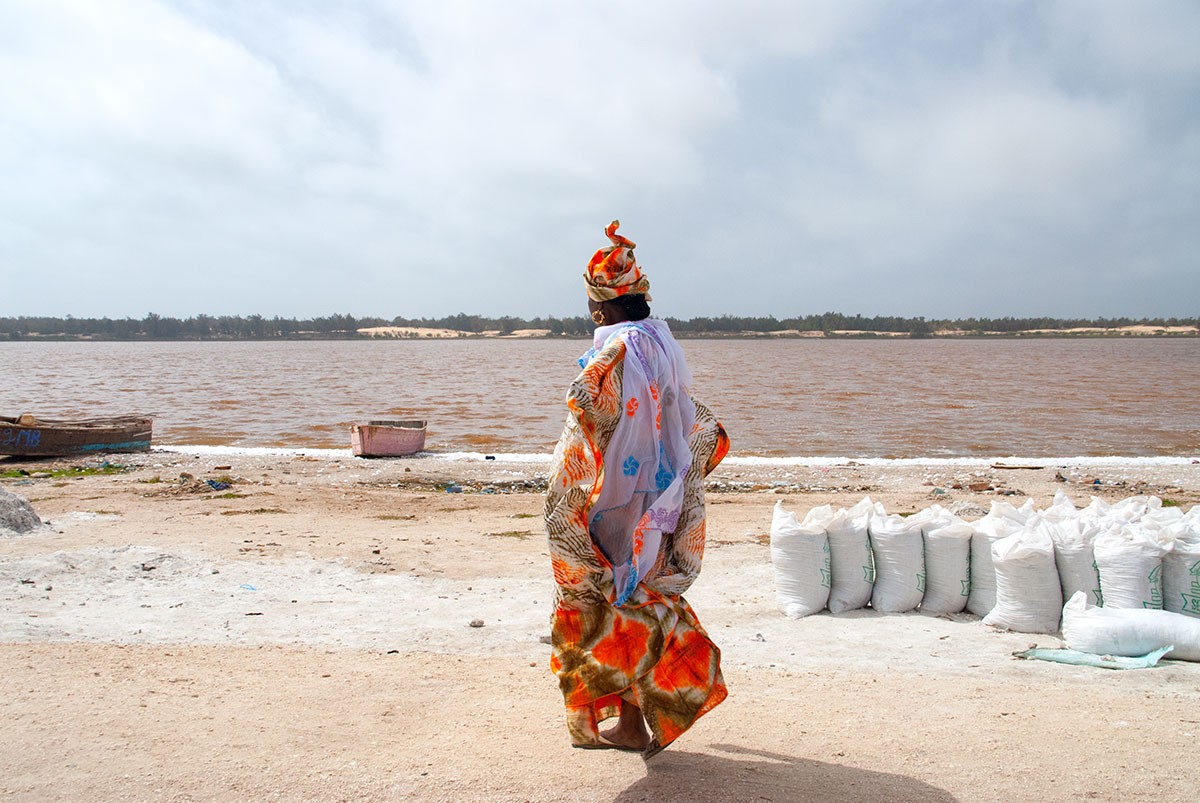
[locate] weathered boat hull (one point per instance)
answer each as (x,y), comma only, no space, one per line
(28,436)
(387,438)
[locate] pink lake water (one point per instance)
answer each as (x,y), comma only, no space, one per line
(803,397)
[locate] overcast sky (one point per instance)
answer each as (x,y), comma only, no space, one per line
(944,159)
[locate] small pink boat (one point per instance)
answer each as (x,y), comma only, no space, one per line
(387,438)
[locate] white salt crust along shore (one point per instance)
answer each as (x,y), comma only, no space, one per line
(731,460)
(784,472)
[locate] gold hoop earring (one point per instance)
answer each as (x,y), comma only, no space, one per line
(598,317)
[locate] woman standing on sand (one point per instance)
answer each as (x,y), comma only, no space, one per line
(625,522)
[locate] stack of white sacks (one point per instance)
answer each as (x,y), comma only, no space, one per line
(1130,571)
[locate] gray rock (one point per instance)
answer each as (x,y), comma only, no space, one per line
(16,514)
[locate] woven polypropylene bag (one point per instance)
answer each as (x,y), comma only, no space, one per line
(800,558)
(1028,591)
(899,554)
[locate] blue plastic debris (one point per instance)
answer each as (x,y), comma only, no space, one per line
(1077,658)
(217,485)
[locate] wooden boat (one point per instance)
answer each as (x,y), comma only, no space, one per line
(387,438)
(29,436)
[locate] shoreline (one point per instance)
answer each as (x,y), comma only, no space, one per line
(543,458)
(841,481)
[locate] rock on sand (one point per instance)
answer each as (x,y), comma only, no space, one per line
(16,514)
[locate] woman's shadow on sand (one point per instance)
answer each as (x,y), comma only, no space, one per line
(760,775)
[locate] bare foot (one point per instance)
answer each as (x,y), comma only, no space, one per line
(626,737)
(630,732)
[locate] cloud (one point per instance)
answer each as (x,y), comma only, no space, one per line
(133,77)
(427,158)
(929,165)
(1152,39)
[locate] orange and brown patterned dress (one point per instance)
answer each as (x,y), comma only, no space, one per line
(620,627)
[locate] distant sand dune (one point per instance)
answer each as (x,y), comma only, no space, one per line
(1138,329)
(419,331)
(410,331)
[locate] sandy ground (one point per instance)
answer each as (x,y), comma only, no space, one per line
(306,634)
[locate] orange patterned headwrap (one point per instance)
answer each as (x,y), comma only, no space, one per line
(613,272)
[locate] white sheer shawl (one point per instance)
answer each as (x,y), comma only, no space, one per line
(648,457)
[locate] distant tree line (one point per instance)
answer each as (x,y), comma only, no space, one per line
(256,327)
